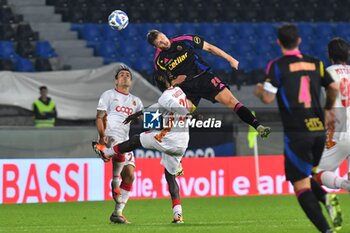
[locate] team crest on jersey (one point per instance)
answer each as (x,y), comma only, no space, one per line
(179,48)
(197,40)
(134,103)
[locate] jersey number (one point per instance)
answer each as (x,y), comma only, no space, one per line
(344,92)
(304,91)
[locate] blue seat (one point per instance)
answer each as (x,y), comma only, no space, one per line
(342,30)
(246,31)
(91,32)
(109,34)
(324,30)
(130,31)
(24,65)
(187,28)
(265,31)
(107,49)
(43,49)
(171,30)
(306,30)
(7,50)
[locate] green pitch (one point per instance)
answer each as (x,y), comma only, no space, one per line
(263,214)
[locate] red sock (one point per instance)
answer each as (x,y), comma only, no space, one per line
(125,186)
(176,202)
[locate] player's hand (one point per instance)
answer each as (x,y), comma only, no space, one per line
(102,140)
(259,88)
(132,117)
(234,63)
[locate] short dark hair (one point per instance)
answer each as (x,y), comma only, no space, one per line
(42,88)
(288,35)
(122,67)
(152,36)
(338,50)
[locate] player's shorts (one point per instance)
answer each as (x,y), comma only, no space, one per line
(171,156)
(129,156)
(334,156)
(205,86)
(301,153)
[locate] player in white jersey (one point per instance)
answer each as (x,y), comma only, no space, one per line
(337,147)
(113,107)
(172,140)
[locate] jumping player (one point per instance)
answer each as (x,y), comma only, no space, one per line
(176,59)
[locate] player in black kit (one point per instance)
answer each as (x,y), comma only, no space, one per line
(297,79)
(177,61)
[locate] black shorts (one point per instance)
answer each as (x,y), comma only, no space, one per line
(205,86)
(301,153)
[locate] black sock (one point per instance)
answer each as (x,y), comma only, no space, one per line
(312,209)
(246,115)
(319,192)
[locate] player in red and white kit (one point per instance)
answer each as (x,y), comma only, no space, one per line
(172,140)
(113,107)
(337,148)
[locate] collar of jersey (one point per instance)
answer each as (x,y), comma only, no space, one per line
(120,92)
(295,52)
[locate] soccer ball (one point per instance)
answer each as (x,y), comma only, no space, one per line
(118,20)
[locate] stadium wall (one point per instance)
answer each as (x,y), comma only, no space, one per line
(63,180)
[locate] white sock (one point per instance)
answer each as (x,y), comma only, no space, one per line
(330,180)
(109,151)
(124,197)
(177,211)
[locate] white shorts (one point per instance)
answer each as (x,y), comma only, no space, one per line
(333,157)
(129,156)
(171,156)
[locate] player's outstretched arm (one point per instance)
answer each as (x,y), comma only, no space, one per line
(219,52)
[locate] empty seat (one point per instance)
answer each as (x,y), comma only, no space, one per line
(24,65)
(43,64)
(7,50)
(7,64)
(25,49)
(6,15)
(43,49)
(7,32)
(25,32)
(91,32)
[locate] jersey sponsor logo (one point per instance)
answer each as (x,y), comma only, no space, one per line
(314,124)
(177,61)
(302,66)
(124,109)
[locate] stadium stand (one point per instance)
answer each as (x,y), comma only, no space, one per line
(76,35)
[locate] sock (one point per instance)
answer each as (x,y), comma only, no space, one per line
(332,181)
(318,191)
(312,209)
(246,115)
(177,208)
(125,190)
(117,156)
